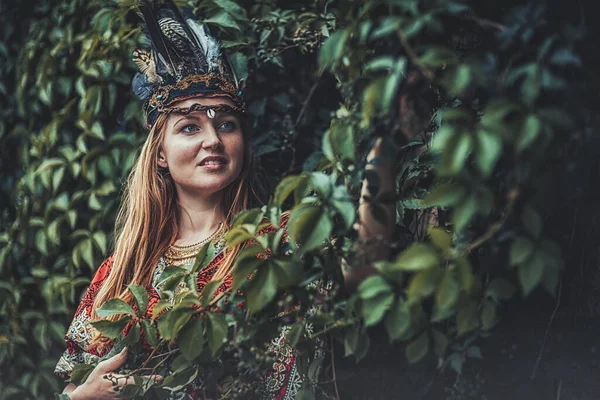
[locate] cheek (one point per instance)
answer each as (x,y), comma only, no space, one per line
(177,150)
(236,150)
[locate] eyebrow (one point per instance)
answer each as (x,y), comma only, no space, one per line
(183,118)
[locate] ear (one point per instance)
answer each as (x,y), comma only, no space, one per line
(161,159)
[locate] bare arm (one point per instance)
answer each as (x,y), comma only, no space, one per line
(376,235)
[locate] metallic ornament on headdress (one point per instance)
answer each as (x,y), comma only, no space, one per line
(184,61)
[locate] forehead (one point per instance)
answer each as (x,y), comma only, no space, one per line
(205,101)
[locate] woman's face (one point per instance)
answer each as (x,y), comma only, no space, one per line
(203,155)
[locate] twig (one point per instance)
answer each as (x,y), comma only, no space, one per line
(486,23)
(539,358)
(512,197)
(427,73)
(307,100)
(334,377)
(337,324)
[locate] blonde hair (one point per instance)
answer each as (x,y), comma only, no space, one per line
(146,223)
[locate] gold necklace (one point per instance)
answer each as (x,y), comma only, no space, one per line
(178,254)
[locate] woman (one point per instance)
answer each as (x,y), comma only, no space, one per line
(194,174)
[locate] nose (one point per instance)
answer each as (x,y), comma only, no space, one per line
(211,138)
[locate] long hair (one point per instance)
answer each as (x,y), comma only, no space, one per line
(146,223)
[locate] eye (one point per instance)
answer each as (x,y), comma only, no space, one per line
(228,126)
(190,128)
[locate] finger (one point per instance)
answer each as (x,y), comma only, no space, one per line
(375,150)
(155,378)
(114,362)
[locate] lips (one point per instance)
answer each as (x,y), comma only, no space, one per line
(213,160)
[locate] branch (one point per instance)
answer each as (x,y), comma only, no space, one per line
(513,194)
(410,52)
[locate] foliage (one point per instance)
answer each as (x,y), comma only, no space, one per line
(471,112)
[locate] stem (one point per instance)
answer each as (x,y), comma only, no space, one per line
(335,387)
(410,52)
(337,324)
(539,358)
(513,194)
(486,23)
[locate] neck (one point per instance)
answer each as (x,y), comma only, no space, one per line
(199,216)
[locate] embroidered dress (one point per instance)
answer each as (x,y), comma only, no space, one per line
(282,382)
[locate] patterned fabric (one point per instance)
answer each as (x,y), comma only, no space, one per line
(282,382)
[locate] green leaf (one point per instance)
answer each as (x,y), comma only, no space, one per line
(111,329)
(423,284)
(418,348)
(418,256)
(80,373)
(191,339)
(467,318)
(209,291)
(444,195)
(240,65)
(374,308)
(86,251)
(550,280)
(392,83)
(459,154)
(309,226)
(344,205)
(238,235)
(140,295)
(440,238)
(397,321)
(169,273)
(532,221)
(489,148)
(520,250)
(100,240)
(133,336)
(500,289)
(205,256)
(488,315)
(293,336)
(373,286)
(341,137)
(261,289)
(447,293)
(563,57)
(333,48)
(530,273)
(217,331)
(171,322)
(150,332)
(440,343)
(464,212)
(531,129)
(243,267)
(223,19)
(286,187)
(114,307)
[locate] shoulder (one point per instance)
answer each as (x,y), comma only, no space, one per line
(103,270)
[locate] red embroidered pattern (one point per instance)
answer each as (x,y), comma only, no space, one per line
(280,383)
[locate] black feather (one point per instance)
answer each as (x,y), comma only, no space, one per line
(141,86)
(169,59)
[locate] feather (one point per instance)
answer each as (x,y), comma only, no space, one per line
(145,63)
(209,47)
(141,86)
(168,59)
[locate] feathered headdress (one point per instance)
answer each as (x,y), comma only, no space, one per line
(184,61)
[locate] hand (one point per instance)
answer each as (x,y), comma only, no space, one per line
(99,385)
(376,234)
